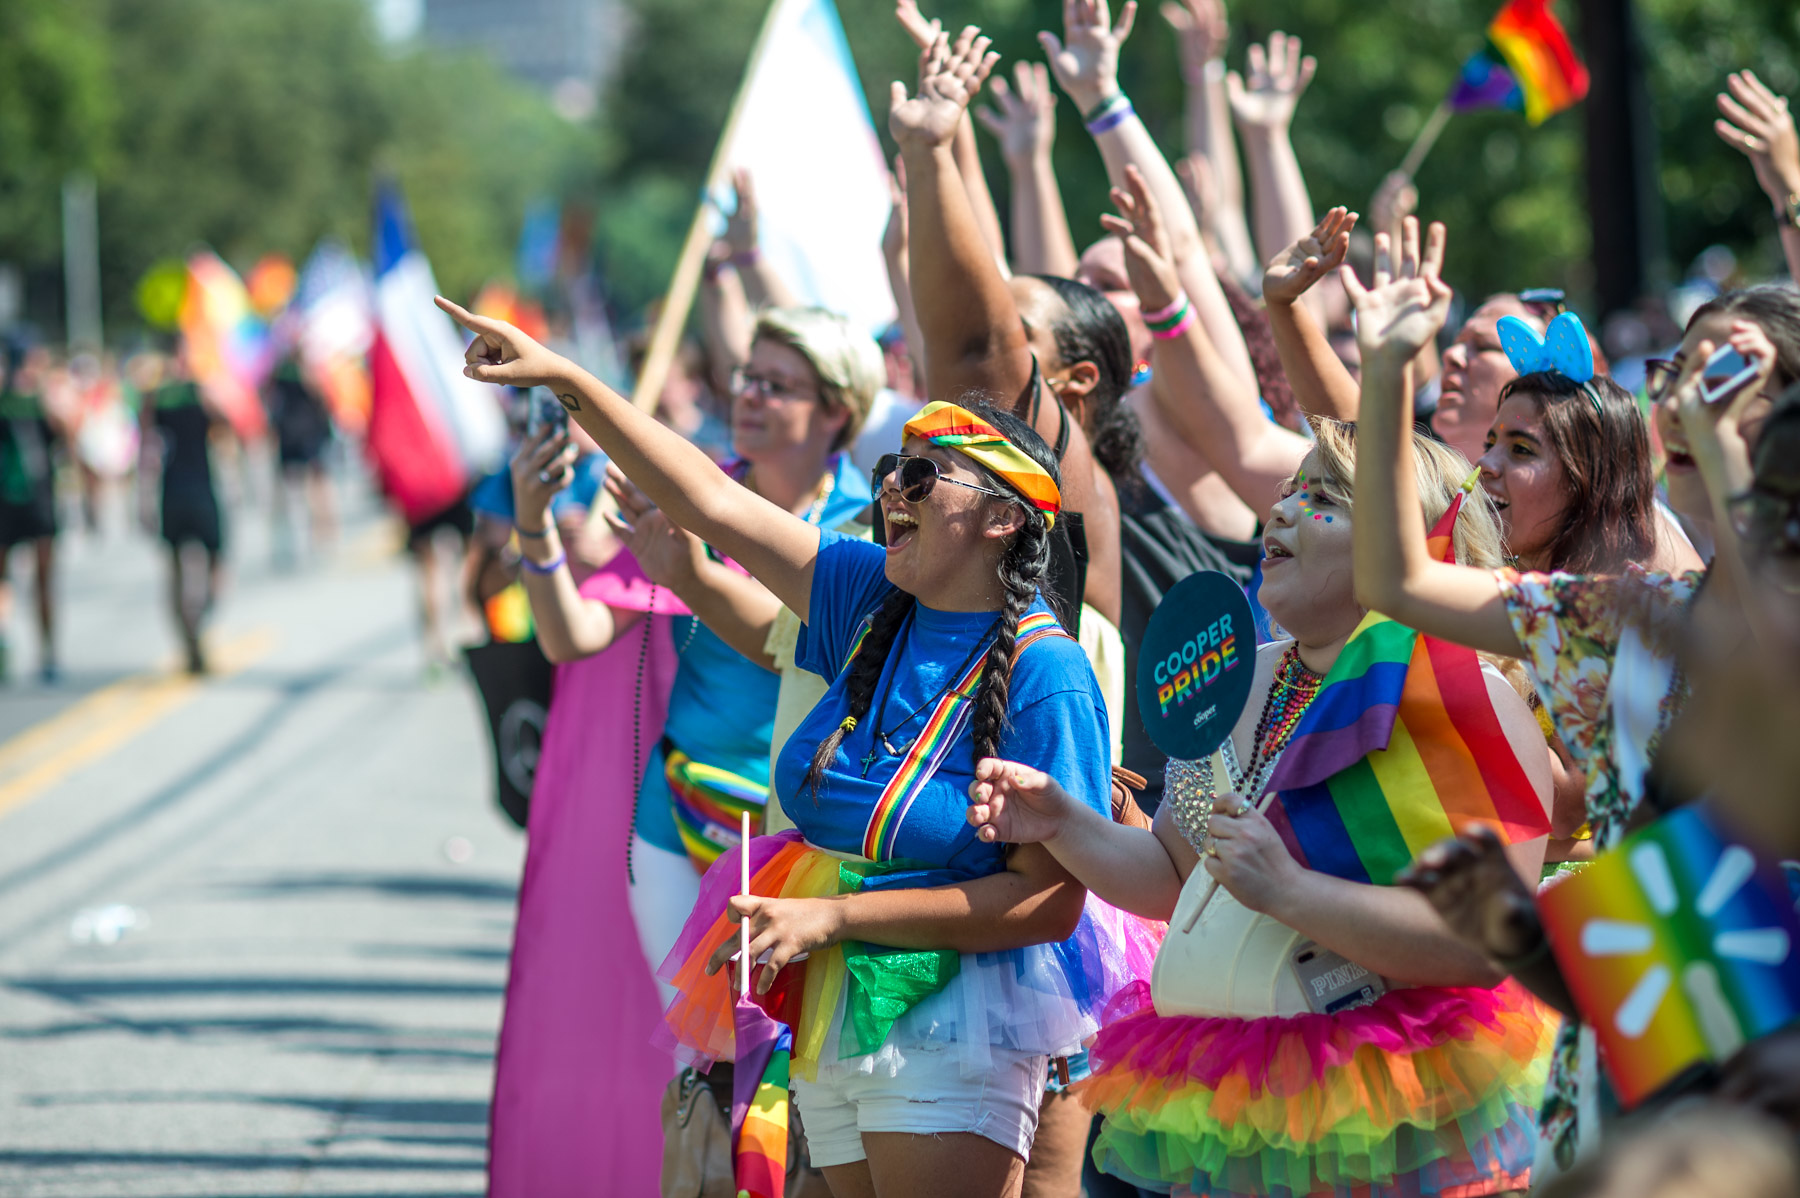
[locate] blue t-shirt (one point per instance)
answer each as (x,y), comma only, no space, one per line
(1056,719)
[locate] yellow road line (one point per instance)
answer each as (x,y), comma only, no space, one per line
(45,754)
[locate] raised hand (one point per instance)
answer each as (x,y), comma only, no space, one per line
(741,225)
(1086,58)
(669,556)
(1294,270)
(1015,804)
(1395,200)
(1246,855)
(894,237)
(1025,122)
(1757,121)
(1201,27)
(1278,77)
(949,77)
(1409,302)
(543,465)
(502,354)
(1139,225)
(784,929)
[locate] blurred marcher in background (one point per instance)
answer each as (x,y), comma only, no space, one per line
(302,427)
(28,495)
(177,427)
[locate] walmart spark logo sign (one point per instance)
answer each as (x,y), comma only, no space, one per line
(1679,946)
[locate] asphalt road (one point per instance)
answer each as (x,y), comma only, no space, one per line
(253,930)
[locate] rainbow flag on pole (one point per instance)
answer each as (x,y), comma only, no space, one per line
(759,1101)
(1528,65)
(1400,749)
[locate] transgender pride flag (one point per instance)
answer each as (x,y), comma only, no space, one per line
(432,430)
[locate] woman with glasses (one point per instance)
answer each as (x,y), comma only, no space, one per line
(1599,645)
(928,977)
(660,706)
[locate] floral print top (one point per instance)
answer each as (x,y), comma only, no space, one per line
(1574,629)
(1604,688)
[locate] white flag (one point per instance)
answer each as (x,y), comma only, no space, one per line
(805,135)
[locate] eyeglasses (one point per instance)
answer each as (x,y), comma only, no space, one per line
(1766,519)
(758,387)
(1659,375)
(919,475)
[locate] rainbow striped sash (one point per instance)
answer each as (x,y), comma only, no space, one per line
(942,728)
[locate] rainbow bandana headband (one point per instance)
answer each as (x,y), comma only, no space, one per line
(957,428)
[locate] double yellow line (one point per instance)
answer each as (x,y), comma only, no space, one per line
(88,730)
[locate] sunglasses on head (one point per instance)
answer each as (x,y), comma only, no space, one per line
(919,475)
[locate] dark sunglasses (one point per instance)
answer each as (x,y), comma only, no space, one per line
(919,475)
(1545,301)
(1659,375)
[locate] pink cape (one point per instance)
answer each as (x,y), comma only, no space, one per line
(577,1082)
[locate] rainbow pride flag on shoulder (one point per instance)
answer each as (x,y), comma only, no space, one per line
(1401,748)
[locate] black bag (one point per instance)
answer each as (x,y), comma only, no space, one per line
(514,680)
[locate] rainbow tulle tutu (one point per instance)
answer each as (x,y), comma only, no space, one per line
(855,1000)
(1425,1092)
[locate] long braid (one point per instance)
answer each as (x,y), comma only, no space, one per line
(865,672)
(1021,569)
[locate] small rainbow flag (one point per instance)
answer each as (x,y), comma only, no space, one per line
(1678,947)
(1528,65)
(759,1101)
(1400,749)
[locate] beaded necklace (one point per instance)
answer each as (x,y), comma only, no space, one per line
(1191,785)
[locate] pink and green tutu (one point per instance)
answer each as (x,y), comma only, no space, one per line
(1428,1092)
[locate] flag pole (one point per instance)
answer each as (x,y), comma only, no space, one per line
(1434,125)
(665,338)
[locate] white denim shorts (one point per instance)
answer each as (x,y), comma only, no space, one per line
(929,1096)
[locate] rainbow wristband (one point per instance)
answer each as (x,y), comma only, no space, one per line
(1181,326)
(1108,114)
(1162,316)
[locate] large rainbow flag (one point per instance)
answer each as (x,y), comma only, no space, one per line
(1528,65)
(1400,749)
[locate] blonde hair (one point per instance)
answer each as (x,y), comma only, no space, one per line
(847,361)
(1439,473)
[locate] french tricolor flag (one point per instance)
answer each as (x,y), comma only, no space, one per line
(432,431)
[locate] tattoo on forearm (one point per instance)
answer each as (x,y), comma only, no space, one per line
(570,402)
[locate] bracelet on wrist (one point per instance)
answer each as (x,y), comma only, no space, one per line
(550,567)
(1163,316)
(1788,212)
(1108,114)
(532,534)
(1179,328)
(749,257)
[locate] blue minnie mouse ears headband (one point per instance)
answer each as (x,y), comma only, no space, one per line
(1563,349)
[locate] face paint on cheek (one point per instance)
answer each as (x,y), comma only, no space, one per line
(1306,507)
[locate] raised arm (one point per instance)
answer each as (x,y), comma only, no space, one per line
(1024,123)
(973,337)
(739,609)
(1263,106)
(763,284)
(1395,573)
(1201,396)
(726,323)
(1757,121)
(1322,387)
(1085,62)
(894,242)
(1203,34)
(967,154)
(776,546)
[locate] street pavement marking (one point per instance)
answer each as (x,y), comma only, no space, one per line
(86,731)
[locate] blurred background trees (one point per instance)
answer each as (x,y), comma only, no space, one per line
(258,127)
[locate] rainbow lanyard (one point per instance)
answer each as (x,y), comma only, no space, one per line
(942,728)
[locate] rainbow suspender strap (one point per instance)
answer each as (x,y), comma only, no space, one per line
(942,728)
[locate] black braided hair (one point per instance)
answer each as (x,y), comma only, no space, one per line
(1022,568)
(865,672)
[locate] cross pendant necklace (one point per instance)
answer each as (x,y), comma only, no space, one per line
(881,736)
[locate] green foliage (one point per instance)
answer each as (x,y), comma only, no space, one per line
(1513,195)
(257,128)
